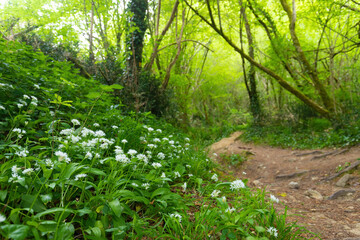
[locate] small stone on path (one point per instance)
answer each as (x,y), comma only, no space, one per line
(340,193)
(314,194)
(257,183)
(342,181)
(294,185)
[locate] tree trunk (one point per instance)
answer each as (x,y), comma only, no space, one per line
(252,89)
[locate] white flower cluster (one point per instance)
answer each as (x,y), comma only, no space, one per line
(215,177)
(273,231)
(15,177)
(22,153)
(235,185)
(215,193)
(81,175)
(274,199)
(20,132)
(176,216)
(62,156)
(230,210)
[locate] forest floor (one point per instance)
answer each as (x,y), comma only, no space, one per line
(315,198)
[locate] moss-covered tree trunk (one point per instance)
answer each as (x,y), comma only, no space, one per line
(137,26)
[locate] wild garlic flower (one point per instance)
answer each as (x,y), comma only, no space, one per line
(67,132)
(165,139)
(89,155)
(122,158)
(28,171)
(163,175)
(161,155)
(132,152)
(171,142)
(37,86)
(81,175)
(215,177)
(49,163)
(187,139)
(177,174)
(19,105)
(62,156)
(223,199)
(273,231)
(85,132)
(26,96)
(184,186)
(159,130)
(134,184)
(150,129)
(235,185)
(75,122)
(96,125)
(156,140)
(22,153)
(74,139)
(2,107)
(114,127)
(176,216)
(156,165)
(118,150)
(2,218)
(274,199)
(124,141)
(230,210)
(151,145)
(143,158)
(215,193)
(99,133)
(145,185)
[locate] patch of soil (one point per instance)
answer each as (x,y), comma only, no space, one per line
(275,168)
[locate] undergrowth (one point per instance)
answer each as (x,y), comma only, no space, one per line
(313,134)
(73,165)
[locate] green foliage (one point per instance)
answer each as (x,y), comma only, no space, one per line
(73,165)
(312,134)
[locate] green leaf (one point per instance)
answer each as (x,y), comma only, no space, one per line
(54,210)
(96,171)
(116,207)
(160,191)
(15,231)
(65,231)
(93,95)
(260,229)
(69,170)
(32,202)
(3,194)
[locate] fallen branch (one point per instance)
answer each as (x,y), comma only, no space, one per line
(291,175)
(307,153)
(335,153)
(352,166)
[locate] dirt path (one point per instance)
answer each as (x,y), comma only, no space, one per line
(334,218)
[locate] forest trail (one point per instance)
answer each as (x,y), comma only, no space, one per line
(316,202)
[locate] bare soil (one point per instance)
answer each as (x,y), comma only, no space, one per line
(275,168)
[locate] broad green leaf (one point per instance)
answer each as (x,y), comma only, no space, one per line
(260,229)
(3,194)
(15,231)
(32,202)
(116,207)
(54,210)
(160,191)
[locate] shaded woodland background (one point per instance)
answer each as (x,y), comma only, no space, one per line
(207,64)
